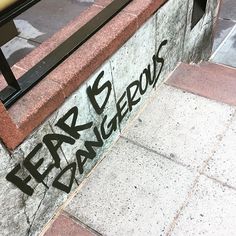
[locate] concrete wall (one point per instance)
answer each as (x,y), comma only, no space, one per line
(199,40)
(79,133)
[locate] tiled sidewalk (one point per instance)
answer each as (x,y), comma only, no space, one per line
(172,172)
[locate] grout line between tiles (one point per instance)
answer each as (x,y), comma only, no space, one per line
(205,164)
(219,181)
(155,152)
(183,206)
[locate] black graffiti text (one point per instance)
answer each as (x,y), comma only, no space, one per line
(72,131)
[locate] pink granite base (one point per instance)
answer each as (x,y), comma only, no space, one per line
(209,80)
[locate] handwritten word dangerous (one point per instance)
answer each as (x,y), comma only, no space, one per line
(53,142)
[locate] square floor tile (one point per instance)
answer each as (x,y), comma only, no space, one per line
(223,164)
(180,125)
(210,212)
(132,192)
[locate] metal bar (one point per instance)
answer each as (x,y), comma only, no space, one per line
(63,51)
(7,32)
(15,10)
(7,72)
(13,86)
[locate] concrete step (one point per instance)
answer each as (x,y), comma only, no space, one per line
(214,81)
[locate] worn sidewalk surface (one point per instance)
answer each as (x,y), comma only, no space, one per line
(171,173)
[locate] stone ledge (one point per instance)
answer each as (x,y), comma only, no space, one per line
(32,109)
(213,81)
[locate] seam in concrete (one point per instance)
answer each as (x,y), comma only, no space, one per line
(9,152)
(219,181)
(205,164)
(113,85)
(172,72)
(155,152)
(189,196)
(183,206)
(61,86)
(156,33)
(63,153)
(61,209)
(35,214)
(201,173)
(26,215)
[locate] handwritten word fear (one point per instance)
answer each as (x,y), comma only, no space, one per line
(72,132)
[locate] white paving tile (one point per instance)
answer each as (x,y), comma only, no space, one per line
(210,212)
(132,192)
(182,126)
(223,164)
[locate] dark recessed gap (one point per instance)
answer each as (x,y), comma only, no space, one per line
(199,9)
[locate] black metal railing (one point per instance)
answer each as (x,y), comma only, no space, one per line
(17,88)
